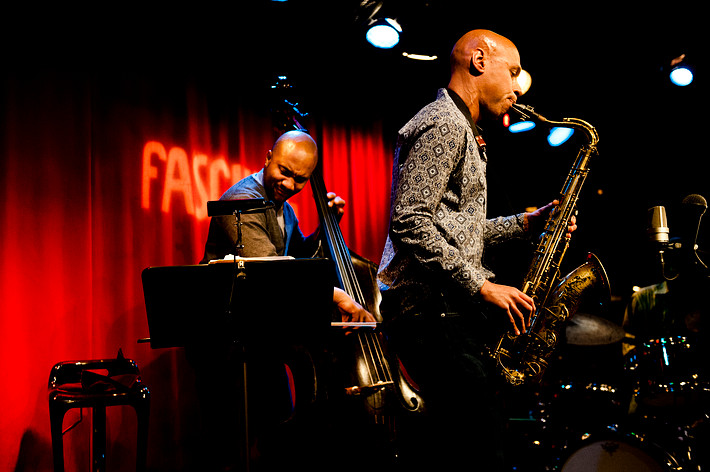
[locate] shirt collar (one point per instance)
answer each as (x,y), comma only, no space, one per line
(461,105)
(259,177)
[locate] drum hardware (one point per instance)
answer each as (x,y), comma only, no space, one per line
(581,419)
(667,372)
(669,389)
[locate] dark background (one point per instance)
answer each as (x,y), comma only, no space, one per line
(607,65)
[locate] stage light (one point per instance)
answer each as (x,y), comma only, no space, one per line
(681,76)
(420,57)
(521,126)
(681,72)
(383,33)
(525,81)
(559,136)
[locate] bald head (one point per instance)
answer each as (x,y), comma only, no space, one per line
(484,71)
(289,165)
(488,41)
(291,141)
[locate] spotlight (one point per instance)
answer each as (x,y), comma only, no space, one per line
(383,33)
(559,136)
(420,57)
(556,137)
(525,81)
(681,74)
(521,126)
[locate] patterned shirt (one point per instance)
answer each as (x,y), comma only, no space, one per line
(438,226)
(657,311)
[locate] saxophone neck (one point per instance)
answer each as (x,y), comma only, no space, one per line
(526,112)
(589,130)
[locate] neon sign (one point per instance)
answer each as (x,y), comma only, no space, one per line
(194,181)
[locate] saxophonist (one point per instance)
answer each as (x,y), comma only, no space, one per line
(438,300)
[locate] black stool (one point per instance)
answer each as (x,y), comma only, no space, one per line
(75,384)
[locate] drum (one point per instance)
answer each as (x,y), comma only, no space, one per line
(667,371)
(620,455)
(582,405)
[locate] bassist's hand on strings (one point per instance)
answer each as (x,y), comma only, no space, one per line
(349,309)
(518,306)
(336,202)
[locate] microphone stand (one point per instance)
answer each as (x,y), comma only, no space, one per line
(663,267)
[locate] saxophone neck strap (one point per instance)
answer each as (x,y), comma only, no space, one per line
(461,105)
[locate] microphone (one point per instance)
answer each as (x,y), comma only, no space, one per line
(658,233)
(658,225)
(685,242)
(693,208)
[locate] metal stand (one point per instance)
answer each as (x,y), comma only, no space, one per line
(186,306)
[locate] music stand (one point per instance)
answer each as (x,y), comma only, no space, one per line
(237,208)
(272,303)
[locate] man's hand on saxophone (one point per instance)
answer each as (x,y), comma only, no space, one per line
(519,306)
(535,221)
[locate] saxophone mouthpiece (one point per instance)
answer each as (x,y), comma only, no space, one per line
(527,112)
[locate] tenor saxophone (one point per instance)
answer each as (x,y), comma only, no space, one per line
(525,357)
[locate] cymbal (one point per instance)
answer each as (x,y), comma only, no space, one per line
(589,330)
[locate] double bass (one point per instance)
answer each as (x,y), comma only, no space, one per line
(372,374)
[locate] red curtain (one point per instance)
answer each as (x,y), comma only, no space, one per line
(103,175)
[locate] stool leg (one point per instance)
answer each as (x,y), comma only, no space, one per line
(56,418)
(98,454)
(142,415)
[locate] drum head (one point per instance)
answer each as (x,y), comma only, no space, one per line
(612,456)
